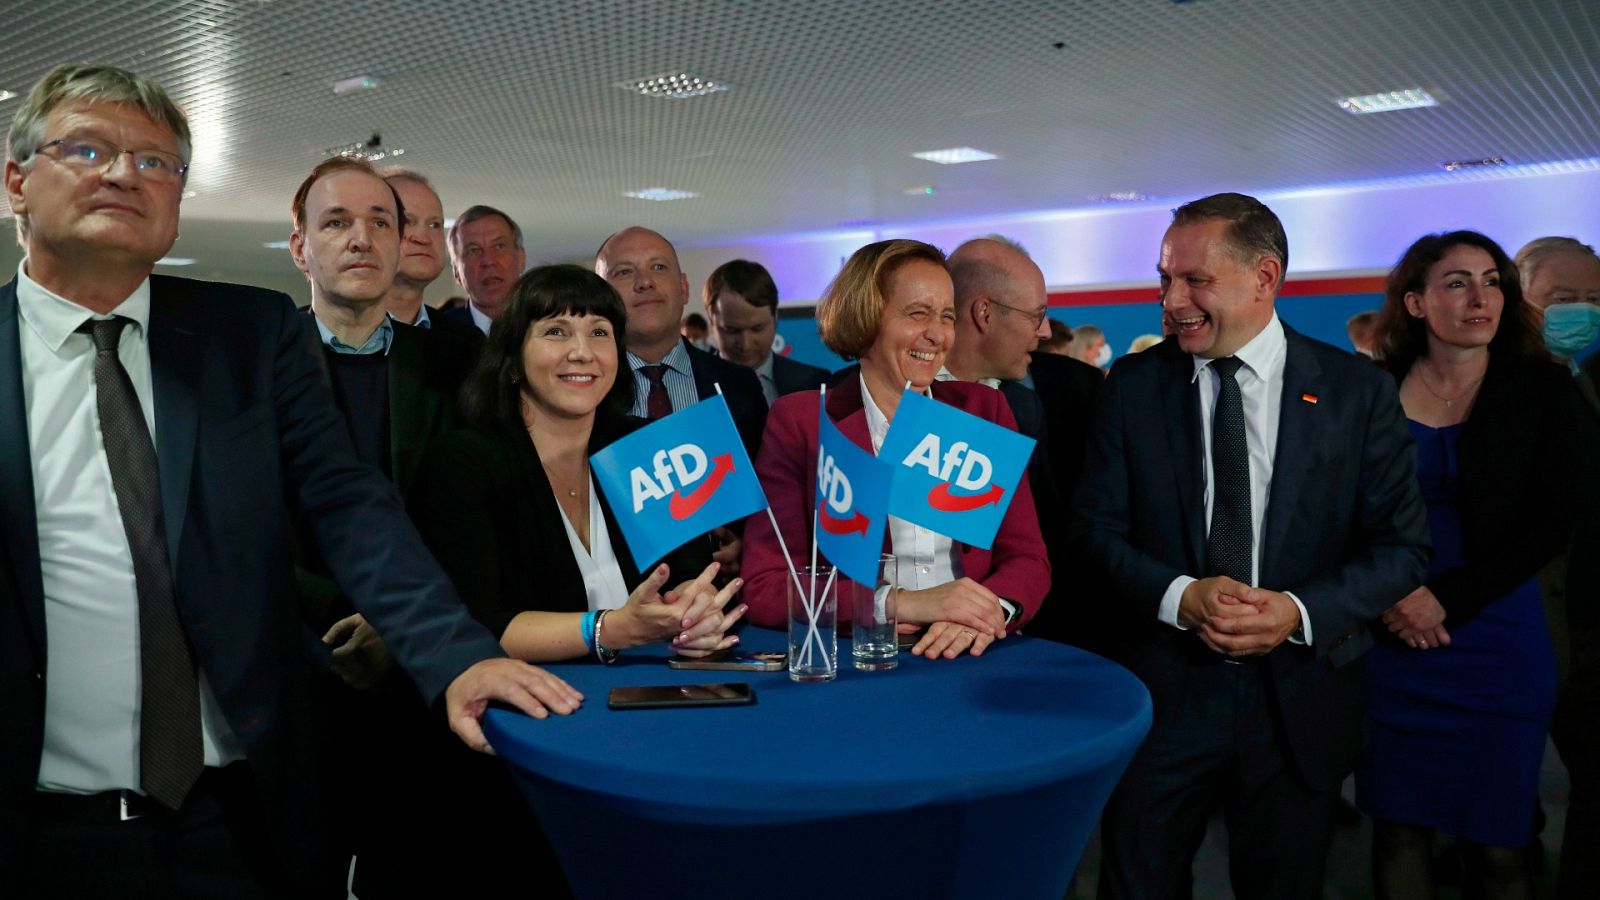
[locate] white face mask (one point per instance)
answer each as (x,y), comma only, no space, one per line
(1103,358)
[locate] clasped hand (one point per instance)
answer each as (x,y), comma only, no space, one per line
(962,616)
(1418,620)
(689,618)
(1235,619)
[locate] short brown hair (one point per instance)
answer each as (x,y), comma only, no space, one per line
(1401,338)
(852,306)
(1253,229)
(297,207)
(750,280)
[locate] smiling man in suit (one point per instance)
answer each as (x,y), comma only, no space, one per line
(161,734)
(1252,497)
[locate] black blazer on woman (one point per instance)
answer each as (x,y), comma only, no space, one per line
(1524,454)
(486,509)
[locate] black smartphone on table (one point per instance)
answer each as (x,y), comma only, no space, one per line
(666,696)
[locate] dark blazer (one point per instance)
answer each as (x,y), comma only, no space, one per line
(486,509)
(740,386)
(791,375)
(1057,412)
(243,422)
(1014,567)
(1346,530)
(1528,435)
(455,319)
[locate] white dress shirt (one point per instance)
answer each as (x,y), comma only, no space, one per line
(1261,390)
(678,379)
(478,318)
(602,576)
(91,605)
(923,559)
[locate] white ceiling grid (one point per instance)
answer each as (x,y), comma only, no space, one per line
(515,104)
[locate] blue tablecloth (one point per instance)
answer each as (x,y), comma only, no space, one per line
(968,777)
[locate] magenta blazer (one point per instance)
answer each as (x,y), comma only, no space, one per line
(1016,568)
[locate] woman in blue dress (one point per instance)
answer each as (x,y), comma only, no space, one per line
(1460,694)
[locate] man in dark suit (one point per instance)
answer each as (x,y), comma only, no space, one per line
(1002,314)
(162,735)
(742,301)
(423,255)
(668,373)
(487,258)
(1252,497)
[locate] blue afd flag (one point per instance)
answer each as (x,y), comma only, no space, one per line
(852,503)
(677,478)
(954,473)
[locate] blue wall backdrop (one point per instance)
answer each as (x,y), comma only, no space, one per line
(1319,316)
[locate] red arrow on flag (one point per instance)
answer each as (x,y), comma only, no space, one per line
(682,507)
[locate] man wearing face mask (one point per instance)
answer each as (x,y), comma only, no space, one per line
(1561,282)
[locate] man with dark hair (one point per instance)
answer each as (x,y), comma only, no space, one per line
(163,733)
(742,300)
(1251,496)
(696,330)
(396,386)
(1001,315)
(487,258)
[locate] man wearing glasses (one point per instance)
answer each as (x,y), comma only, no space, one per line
(1001,316)
(161,732)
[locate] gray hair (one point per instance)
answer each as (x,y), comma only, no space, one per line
(980,277)
(1004,241)
(1537,251)
(473,214)
(93,84)
(401,173)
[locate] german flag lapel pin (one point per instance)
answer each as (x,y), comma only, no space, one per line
(1309,398)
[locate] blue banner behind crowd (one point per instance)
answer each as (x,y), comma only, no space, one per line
(852,503)
(954,473)
(677,478)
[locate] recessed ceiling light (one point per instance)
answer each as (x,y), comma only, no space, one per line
(174,261)
(190,195)
(955,155)
(275,245)
(660,193)
(921,190)
(358,83)
(1119,197)
(1387,101)
(7,95)
(672,86)
(371,150)
(1488,162)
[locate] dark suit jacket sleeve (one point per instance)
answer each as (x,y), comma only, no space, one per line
(1019,565)
(360,527)
(456,501)
(1391,548)
(1527,436)
(1105,503)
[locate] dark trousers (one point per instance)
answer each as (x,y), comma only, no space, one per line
(1220,746)
(215,845)
(1578,742)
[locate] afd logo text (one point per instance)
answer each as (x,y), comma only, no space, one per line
(674,470)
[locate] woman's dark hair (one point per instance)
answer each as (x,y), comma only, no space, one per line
(492,393)
(1402,338)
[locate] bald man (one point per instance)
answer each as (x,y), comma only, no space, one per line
(1001,317)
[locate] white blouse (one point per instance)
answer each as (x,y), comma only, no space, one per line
(602,577)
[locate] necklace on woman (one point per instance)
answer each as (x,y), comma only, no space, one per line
(571,492)
(1448,401)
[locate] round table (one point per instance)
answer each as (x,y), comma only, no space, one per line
(974,777)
